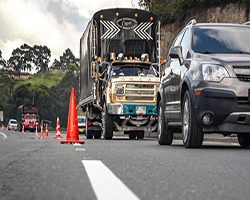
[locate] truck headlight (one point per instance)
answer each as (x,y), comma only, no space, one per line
(213,72)
(120,90)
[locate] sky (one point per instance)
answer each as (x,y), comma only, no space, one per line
(58,24)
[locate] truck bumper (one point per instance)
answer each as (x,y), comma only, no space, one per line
(130,109)
(127,117)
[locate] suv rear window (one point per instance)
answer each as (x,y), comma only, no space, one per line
(223,39)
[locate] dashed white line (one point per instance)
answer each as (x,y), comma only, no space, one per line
(4,136)
(105,183)
(80,149)
(77,144)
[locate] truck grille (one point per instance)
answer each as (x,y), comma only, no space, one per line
(139,98)
(242,77)
(139,86)
(140,92)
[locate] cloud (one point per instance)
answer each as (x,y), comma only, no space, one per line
(58,24)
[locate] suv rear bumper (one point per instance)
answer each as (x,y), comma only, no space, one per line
(228,114)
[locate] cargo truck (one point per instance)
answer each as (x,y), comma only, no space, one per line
(27,117)
(119,78)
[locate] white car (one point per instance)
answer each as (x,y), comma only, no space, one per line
(12,125)
(81,124)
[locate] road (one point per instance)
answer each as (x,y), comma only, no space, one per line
(128,169)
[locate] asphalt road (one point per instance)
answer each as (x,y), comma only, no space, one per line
(128,169)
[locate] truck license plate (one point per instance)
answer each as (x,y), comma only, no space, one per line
(140,110)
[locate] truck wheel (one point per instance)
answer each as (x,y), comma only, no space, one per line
(97,134)
(107,124)
(244,140)
(140,134)
(191,131)
(165,134)
(89,133)
(132,135)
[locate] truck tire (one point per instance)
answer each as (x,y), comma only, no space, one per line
(97,134)
(165,134)
(191,131)
(107,124)
(140,134)
(131,135)
(244,140)
(89,133)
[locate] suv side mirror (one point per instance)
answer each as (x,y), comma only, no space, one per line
(176,52)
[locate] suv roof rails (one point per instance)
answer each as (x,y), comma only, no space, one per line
(192,22)
(247,23)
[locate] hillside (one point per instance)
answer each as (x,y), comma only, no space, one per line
(48,79)
(49,91)
(237,12)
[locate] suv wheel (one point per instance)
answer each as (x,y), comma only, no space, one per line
(165,134)
(244,140)
(191,131)
(107,124)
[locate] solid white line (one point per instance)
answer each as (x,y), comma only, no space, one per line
(105,183)
(4,136)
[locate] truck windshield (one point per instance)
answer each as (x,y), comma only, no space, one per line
(225,39)
(133,71)
(30,116)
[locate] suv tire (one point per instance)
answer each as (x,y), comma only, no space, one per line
(191,130)
(244,140)
(165,134)
(107,124)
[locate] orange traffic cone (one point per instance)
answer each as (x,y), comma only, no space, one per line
(36,131)
(72,129)
(41,133)
(46,131)
(58,134)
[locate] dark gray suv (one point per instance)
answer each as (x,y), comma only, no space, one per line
(205,85)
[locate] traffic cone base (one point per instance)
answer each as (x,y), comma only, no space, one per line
(72,141)
(72,128)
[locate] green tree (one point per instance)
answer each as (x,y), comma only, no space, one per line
(20,59)
(41,57)
(56,64)
(2,61)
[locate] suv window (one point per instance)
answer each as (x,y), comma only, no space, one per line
(185,42)
(225,39)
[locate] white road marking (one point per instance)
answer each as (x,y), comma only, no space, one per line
(80,149)
(105,183)
(77,144)
(4,136)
